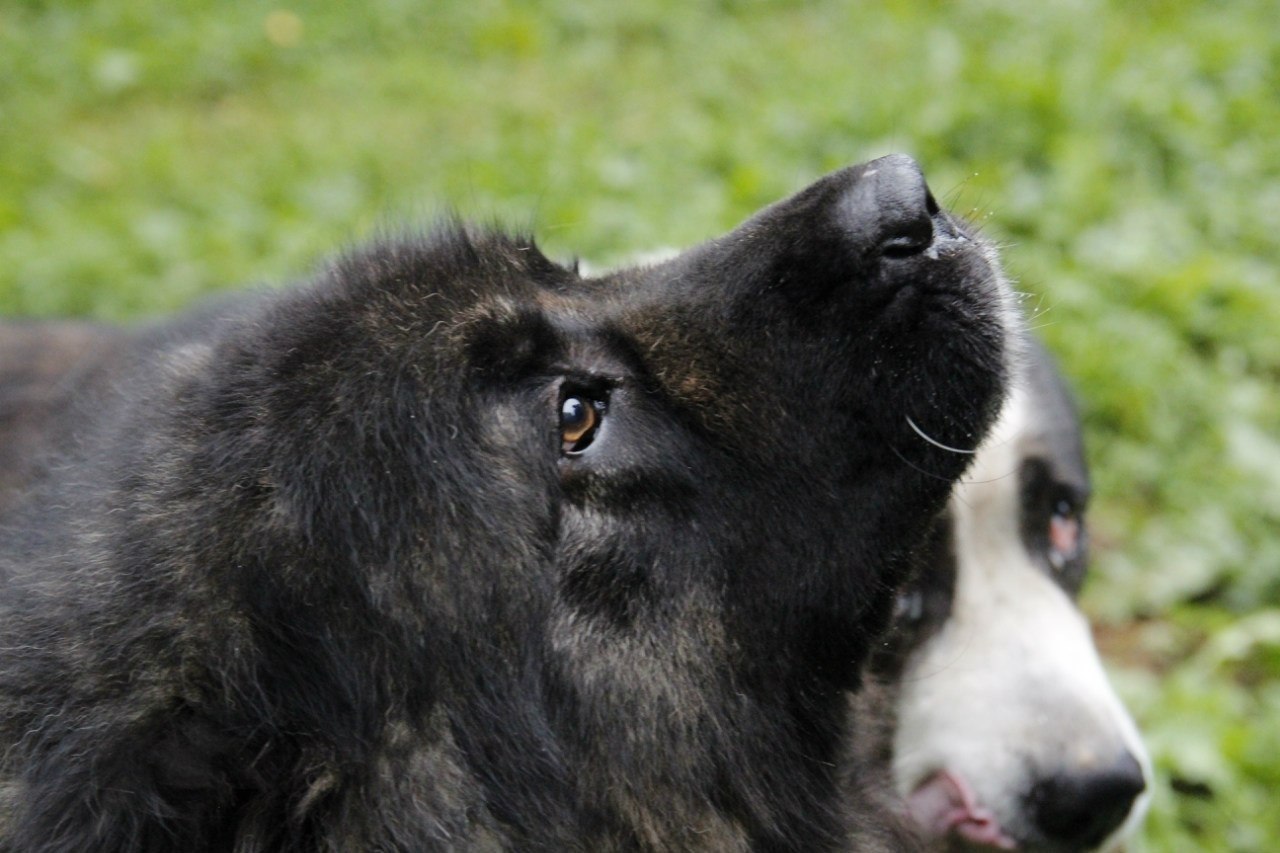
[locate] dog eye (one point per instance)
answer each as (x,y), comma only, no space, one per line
(1064,534)
(580,418)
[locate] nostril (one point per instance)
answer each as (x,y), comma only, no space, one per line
(911,242)
(1081,809)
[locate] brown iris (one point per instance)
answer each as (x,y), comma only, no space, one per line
(579,419)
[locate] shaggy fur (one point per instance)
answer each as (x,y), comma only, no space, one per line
(319,570)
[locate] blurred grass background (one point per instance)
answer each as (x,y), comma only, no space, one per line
(1127,154)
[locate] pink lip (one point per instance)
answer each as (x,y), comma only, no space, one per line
(944,804)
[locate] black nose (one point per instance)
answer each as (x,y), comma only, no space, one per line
(891,203)
(1079,810)
(845,237)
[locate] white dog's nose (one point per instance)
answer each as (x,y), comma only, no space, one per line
(1079,810)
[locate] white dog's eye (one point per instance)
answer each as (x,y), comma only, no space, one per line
(1064,534)
(580,417)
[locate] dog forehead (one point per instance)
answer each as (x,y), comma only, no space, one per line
(645,326)
(1051,427)
(728,388)
(1038,422)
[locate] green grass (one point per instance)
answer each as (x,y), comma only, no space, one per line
(1126,153)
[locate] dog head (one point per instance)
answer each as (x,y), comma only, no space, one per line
(1009,734)
(452,540)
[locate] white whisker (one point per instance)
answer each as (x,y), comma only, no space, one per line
(934,441)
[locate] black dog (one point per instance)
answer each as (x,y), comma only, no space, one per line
(452,549)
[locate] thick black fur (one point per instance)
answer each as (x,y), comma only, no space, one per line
(312,571)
